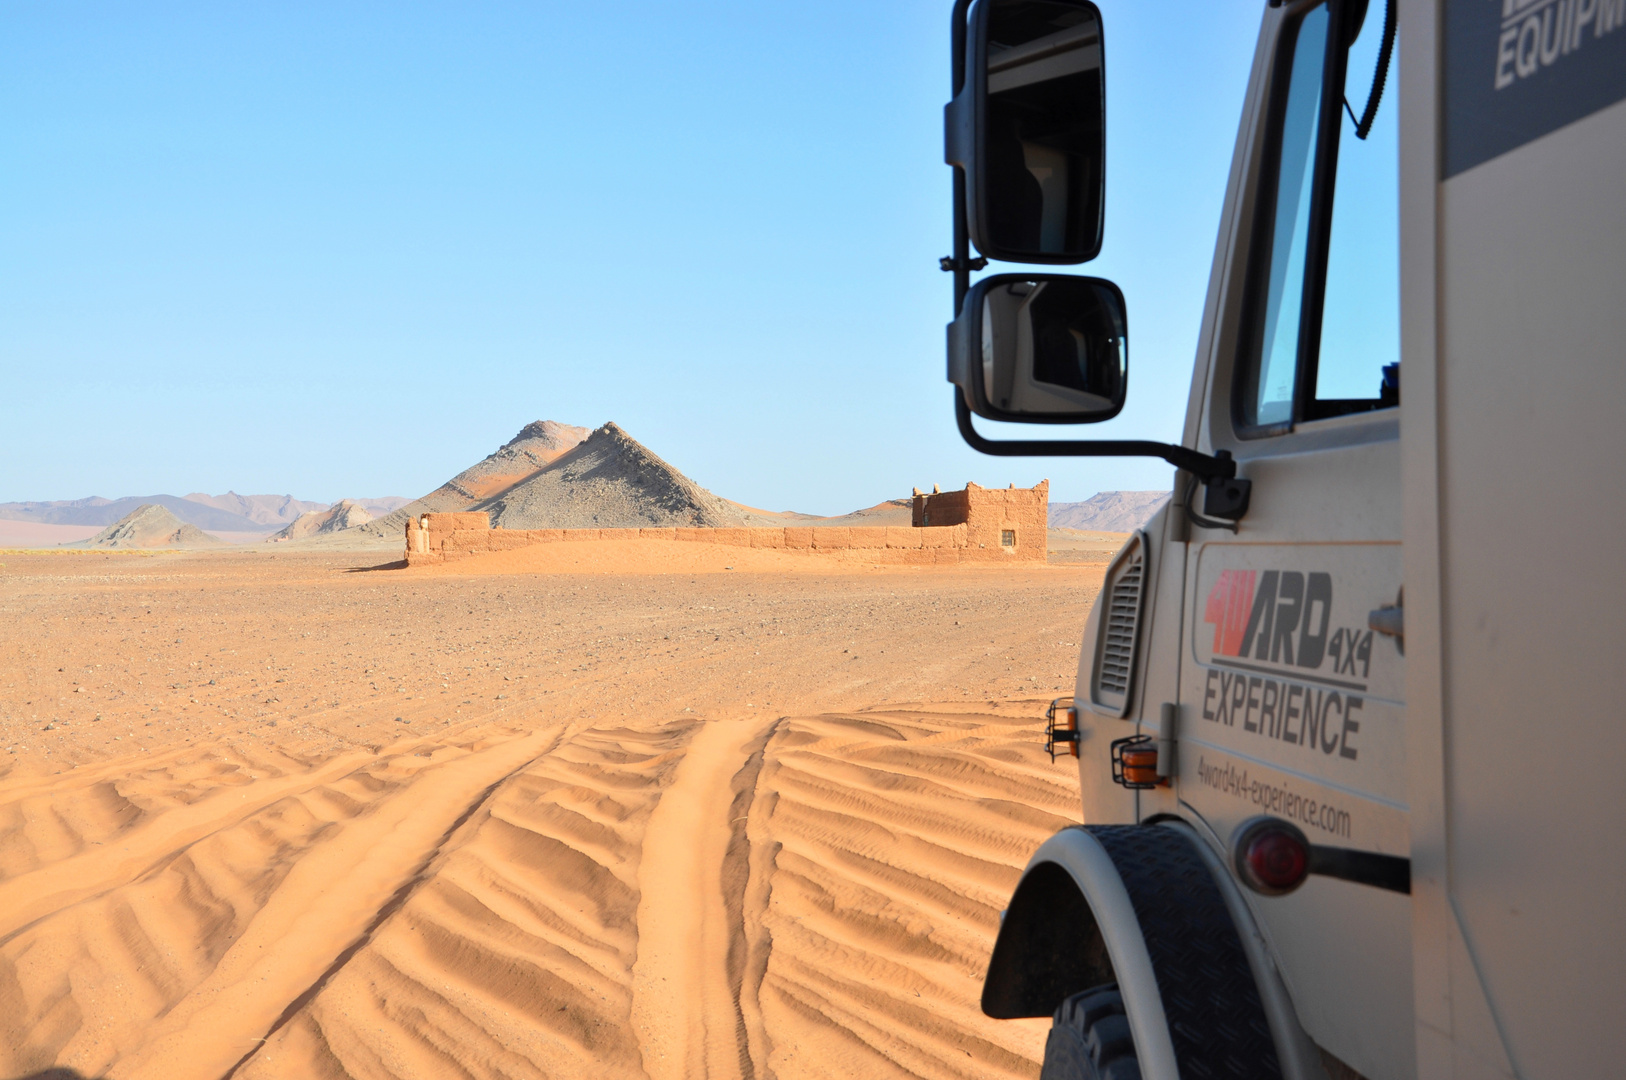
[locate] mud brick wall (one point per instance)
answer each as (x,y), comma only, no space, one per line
(974,525)
(1010,519)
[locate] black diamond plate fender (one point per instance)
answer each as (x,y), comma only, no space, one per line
(1145,906)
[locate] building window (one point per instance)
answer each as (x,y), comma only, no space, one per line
(1007,538)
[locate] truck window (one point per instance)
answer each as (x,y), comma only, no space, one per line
(1324,304)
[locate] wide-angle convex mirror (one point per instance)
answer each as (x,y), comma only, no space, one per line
(1041,349)
(1028,128)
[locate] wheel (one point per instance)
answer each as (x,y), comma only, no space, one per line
(1089,1039)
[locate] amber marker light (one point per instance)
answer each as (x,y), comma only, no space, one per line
(1140,764)
(1134,763)
(1271,856)
(1061,728)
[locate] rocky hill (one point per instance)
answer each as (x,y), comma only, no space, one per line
(1108,511)
(344,514)
(151,526)
(537,445)
(609,481)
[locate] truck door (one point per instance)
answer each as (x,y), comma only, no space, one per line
(1292,699)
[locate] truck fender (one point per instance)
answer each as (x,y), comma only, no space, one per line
(1072,925)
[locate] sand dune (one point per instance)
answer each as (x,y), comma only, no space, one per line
(33,534)
(895,837)
(513,956)
(517,824)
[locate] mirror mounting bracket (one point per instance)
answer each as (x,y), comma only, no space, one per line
(1227,494)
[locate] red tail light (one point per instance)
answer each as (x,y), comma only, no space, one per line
(1278,860)
(1271,855)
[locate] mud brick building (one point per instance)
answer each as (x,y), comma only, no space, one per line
(973,525)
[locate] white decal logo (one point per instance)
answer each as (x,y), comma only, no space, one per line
(1538,33)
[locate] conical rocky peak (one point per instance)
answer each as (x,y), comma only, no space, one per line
(610,480)
(517,460)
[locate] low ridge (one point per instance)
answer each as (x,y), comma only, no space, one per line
(1108,511)
(609,481)
(151,526)
(99,511)
(264,510)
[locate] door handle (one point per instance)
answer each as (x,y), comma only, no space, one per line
(1390,621)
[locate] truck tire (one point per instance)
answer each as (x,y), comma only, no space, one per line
(1089,1039)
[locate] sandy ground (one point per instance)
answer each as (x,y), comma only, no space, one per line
(599,813)
(34,534)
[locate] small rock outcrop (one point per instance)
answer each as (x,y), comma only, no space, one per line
(151,526)
(344,514)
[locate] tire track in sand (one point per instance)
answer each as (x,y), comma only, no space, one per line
(514,958)
(327,901)
(29,897)
(685,1008)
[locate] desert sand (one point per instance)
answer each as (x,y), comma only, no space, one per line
(34,534)
(621,811)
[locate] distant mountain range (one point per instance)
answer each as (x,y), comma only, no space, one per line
(272,511)
(230,512)
(550,475)
(1108,511)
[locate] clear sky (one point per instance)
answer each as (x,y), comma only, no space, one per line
(347,249)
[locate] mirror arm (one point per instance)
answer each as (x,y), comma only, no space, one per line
(1219,466)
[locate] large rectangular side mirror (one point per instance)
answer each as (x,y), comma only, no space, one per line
(1041,349)
(1028,127)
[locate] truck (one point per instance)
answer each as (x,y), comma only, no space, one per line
(1345,712)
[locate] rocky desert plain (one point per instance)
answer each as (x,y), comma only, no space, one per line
(614,808)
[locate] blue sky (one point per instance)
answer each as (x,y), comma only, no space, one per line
(347,249)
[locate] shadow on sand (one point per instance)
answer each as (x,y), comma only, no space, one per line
(398,564)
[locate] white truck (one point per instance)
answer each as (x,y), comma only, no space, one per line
(1345,717)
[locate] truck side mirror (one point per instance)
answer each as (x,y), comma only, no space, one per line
(1041,349)
(1028,127)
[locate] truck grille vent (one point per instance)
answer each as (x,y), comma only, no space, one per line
(1125,597)
(1123,619)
